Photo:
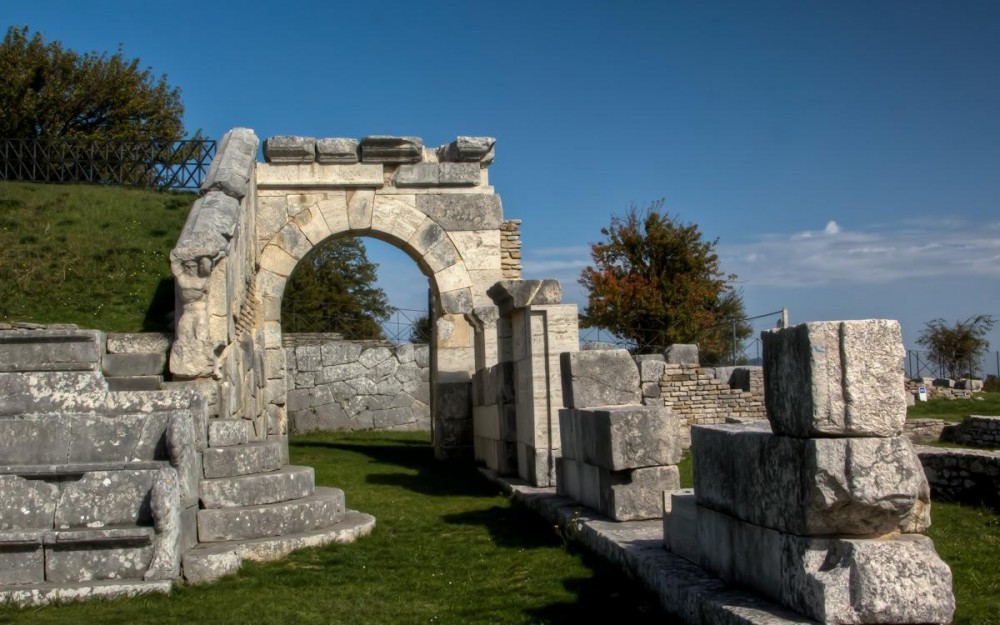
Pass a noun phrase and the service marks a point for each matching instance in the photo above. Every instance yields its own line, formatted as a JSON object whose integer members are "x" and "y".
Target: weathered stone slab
{"x": 835, "y": 378}
{"x": 139, "y": 342}
{"x": 853, "y": 486}
{"x": 680, "y": 524}
{"x": 135, "y": 364}
{"x": 233, "y": 164}
{"x": 34, "y": 440}
{"x": 388, "y": 149}
{"x": 50, "y": 350}
{"x": 289, "y": 149}
{"x": 629, "y": 437}
{"x": 468, "y": 149}
{"x": 462, "y": 211}
{"x": 288, "y": 482}
{"x": 319, "y": 175}
{"x": 599, "y": 378}
{"x": 897, "y": 579}
{"x": 337, "y": 150}
{"x": 256, "y": 457}
{"x": 511, "y": 295}
{"x": 681, "y": 354}
{"x": 82, "y": 555}
{"x": 26, "y": 503}
{"x": 22, "y": 560}
{"x": 227, "y": 432}
{"x": 323, "y": 509}
{"x": 104, "y": 498}
{"x": 438, "y": 175}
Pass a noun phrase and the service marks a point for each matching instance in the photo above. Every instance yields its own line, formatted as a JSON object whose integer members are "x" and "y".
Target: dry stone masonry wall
{"x": 822, "y": 510}
{"x": 510, "y": 249}
{"x": 970, "y": 476}
{"x": 357, "y": 385}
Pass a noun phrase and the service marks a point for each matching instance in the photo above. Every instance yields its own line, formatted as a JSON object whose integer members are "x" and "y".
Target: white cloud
{"x": 917, "y": 249}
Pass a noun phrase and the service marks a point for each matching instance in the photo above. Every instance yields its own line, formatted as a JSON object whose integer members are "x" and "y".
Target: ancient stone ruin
{"x": 114, "y": 482}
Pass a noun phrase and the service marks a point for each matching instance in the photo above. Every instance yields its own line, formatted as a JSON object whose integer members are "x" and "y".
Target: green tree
{"x": 333, "y": 290}
{"x": 656, "y": 282}
{"x": 959, "y": 346}
{"x": 48, "y": 92}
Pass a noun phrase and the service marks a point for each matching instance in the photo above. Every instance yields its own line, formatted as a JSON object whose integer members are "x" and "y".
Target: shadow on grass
{"x": 514, "y": 526}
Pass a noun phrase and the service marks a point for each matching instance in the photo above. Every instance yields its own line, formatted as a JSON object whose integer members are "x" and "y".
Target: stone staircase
{"x": 255, "y": 507}
{"x": 110, "y": 493}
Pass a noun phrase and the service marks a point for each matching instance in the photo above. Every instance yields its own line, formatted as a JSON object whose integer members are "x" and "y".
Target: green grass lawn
{"x": 956, "y": 409}
{"x": 90, "y": 255}
{"x": 447, "y": 548}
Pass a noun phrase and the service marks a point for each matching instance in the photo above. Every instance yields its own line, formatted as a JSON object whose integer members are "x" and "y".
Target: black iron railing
{"x": 150, "y": 164}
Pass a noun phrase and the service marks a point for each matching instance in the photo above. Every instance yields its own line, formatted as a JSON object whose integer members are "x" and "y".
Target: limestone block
{"x": 34, "y": 440}
{"x": 230, "y": 171}
{"x": 22, "y": 559}
{"x": 570, "y": 434}
{"x": 835, "y": 378}
{"x": 308, "y": 358}
{"x": 318, "y": 176}
{"x": 122, "y": 438}
{"x": 854, "y": 486}
{"x": 486, "y": 421}
{"x": 637, "y": 494}
{"x": 333, "y": 208}
{"x": 153, "y": 363}
{"x": 651, "y": 369}
{"x": 388, "y": 149}
{"x": 101, "y": 498}
{"x": 26, "y": 504}
{"x": 396, "y": 216}
{"x": 360, "y": 206}
{"x": 454, "y": 401}
{"x": 340, "y": 352}
{"x": 452, "y": 278}
{"x": 287, "y": 483}
{"x": 896, "y": 579}
{"x": 209, "y": 228}
{"x": 47, "y": 350}
{"x": 462, "y": 211}
{"x": 680, "y": 524}
{"x": 681, "y": 354}
{"x": 293, "y": 241}
{"x": 165, "y": 505}
{"x": 138, "y": 342}
{"x": 253, "y": 457}
{"x": 457, "y": 302}
{"x": 510, "y": 295}
{"x": 289, "y": 149}
{"x": 441, "y": 255}
{"x": 459, "y": 174}
{"x": 629, "y": 437}
{"x": 227, "y": 432}
{"x": 337, "y": 150}
{"x": 599, "y": 378}
{"x": 312, "y": 225}
{"x": 464, "y": 149}
{"x": 72, "y": 556}
{"x": 437, "y": 175}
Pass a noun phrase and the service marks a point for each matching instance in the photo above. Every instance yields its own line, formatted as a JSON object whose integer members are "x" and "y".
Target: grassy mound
{"x": 94, "y": 256}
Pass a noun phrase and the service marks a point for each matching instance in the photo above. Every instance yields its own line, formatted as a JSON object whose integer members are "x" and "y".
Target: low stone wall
{"x": 969, "y": 476}
{"x": 978, "y": 431}
{"x": 356, "y": 385}
{"x": 700, "y": 397}
{"x": 922, "y": 431}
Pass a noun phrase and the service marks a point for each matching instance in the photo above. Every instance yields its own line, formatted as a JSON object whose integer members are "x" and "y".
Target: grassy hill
{"x": 94, "y": 256}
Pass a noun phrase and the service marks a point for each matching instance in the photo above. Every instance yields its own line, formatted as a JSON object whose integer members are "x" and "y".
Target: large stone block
{"x": 26, "y": 503}
{"x": 629, "y": 437}
{"x": 474, "y": 149}
{"x": 254, "y": 457}
{"x": 835, "y": 378}
{"x": 680, "y": 524}
{"x": 599, "y": 378}
{"x": 510, "y": 295}
{"x": 49, "y": 350}
{"x": 853, "y": 486}
{"x": 681, "y": 354}
{"x": 637, "y": 494}
{"x": 897, "y": 579}
{"x": 288, "y": 482}
{"x": 105, "y": 498}
{"x": 209, "y": 228}
{"x": 289, "y": 149}
{"x": 320, "y": 510}
{"x": 462, "y": 211}
{"x": 233, "y": 164}
{"x": 388, "y": 149}
{"x": 83, "y": 555}
{"x": 22, "y": 560}
{"x": 131, "y": 365}
{"x": 337, "y": 150}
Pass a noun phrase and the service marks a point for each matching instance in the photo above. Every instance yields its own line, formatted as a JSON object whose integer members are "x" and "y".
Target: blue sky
{"x": 845, "y": 154}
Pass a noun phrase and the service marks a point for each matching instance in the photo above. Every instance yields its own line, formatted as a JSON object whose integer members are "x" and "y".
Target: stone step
{"x": 322, "y": 509}
{"x": 51, "y": 350}
{"x": 228, "y": 432}
{"x": 287, "y": 483}
{"x": 40, "y": 593}
{"x": 255, "y": 457}
{"x": 134, "y": 364}
{"x": 211, "y": 561}
{"x": 135, "y": 383}
{"x": 75, "y": 555}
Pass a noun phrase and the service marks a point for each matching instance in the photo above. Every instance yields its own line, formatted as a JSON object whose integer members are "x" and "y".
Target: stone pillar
{"x": 540, "y": 329}
{"x": 821, "y": 511}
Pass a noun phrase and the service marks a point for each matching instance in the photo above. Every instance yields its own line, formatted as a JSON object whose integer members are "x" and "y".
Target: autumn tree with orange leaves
{"x": 657, "y": 282}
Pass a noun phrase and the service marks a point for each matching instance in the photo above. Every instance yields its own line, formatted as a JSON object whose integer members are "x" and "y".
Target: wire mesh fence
{"x": 923, "y": 364}
{"x": 176, "y": 165}
{"x": 404, "y": 325}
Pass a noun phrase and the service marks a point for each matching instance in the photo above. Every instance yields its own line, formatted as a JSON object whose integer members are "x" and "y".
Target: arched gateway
{"x": 256, "y": 221}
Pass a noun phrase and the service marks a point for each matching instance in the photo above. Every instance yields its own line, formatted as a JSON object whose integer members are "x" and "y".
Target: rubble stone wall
{"x": 357, "y": 385}
{"x": 970, "y": 476}
{"x": 700, "y": 396}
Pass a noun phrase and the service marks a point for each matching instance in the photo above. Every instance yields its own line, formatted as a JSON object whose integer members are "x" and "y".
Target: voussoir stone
{"x": 810, "y": 487}
{"x": 462, "y": 211}
{"x": 835, "y": 378}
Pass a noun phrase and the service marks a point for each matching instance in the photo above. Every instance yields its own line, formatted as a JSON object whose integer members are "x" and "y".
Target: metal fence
{"x": 158, "y": 165}
{"x": 404, "y": 325}
{"x": 923, "y": 364}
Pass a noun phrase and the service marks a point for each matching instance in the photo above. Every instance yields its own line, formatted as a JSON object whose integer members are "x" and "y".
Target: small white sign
{"x": 921, "y": 393}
